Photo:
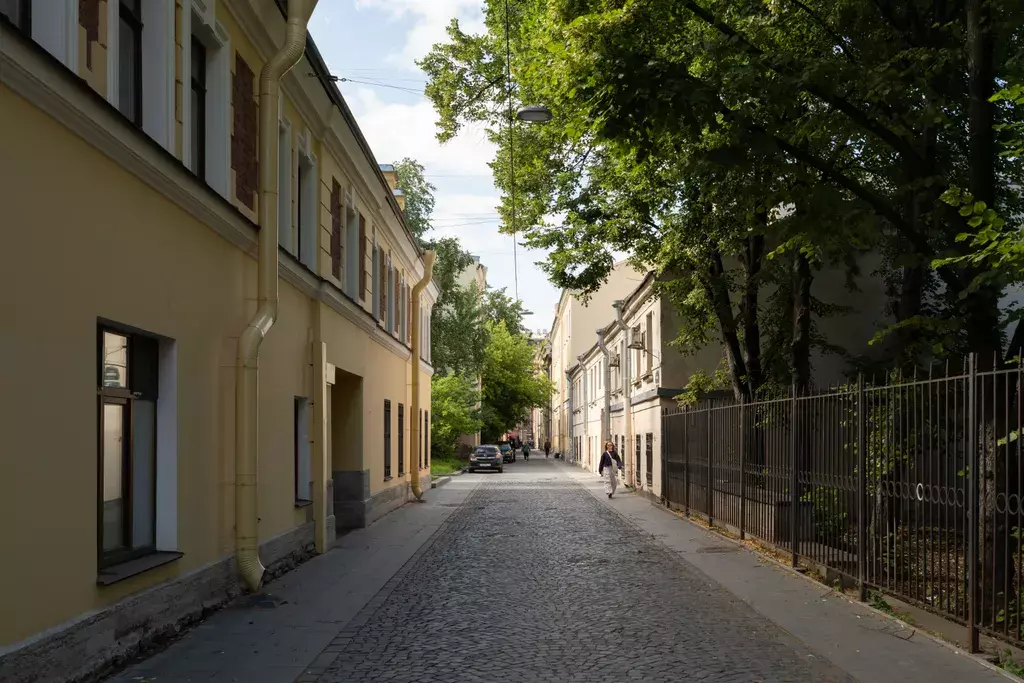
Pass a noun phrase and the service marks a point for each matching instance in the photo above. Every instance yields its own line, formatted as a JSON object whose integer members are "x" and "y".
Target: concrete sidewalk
{"x": 274, "y": 636}
{"x": 866, "y": 645}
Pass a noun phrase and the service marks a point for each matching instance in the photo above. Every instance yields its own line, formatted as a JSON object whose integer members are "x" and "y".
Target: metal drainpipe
{"x": 417, "y": 290}
{"x": 627, "y": 407}
{"x": 606, "y": 423}
{"x": 249, "y": 342}
{"x": 569, "y": 425}
{"x": 584, "y": 404}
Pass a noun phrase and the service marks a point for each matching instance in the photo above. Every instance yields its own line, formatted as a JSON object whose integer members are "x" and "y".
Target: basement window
{"x": 303, "y": 470}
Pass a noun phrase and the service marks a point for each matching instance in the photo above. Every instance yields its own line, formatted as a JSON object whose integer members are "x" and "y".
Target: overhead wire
{"x": 511, "y": 148}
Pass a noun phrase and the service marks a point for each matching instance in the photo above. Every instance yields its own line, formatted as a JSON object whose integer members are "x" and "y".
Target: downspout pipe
{"x": 627, "y": 407}
{"x": 606, "y": 424}
{"x": 570, "y": 427}
{"x": 247, "y": 366}
{"x": 584, "y": 405}
{"x": 428, "y": 273}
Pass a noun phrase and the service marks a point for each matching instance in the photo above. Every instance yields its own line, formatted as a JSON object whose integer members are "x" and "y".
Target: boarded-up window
{"x": 336, "y": 229}
{"x": 363, "y": 283}
{"x": 382, "y": 271}
{"x": 244, "y": 139}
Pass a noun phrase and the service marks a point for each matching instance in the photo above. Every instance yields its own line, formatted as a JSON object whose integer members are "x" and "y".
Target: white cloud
{"x": 432, "y": 18}
{"x": 408, "y": 130}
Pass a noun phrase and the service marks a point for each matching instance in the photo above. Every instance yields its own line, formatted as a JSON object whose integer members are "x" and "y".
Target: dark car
{"x": 508, "y": 453}
{"x": 486, "y": 457}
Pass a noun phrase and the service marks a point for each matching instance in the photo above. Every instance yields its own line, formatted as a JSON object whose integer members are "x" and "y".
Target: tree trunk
{"x": 717, "y": 290}
{"x": 800, "y": 347}
{"x": 753, "y": 255}
{"x": 983, "y": 328}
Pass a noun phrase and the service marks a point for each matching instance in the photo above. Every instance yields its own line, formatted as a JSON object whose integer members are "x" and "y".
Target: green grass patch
{"x": 442, "y": 466}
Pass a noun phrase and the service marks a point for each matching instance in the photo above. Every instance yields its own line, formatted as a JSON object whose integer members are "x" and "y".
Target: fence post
{"x": 794, "y": 494}
{"x": 743, "y": 472}
{"x": 710, "y": 479}
{"x": 664, "y": 464}
{"x": 862, "y": 478}
{"x": 686, "y": 463}
{"x": 973, "y": 465}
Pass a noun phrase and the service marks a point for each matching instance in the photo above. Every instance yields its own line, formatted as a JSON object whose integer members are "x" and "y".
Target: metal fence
{"x": 912, "y": 486}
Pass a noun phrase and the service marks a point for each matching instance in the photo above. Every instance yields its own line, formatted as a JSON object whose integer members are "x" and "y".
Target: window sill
{"x": 388, "y": 478}
{"x": 302, "y": 503}
{"x": 120, "y": 572}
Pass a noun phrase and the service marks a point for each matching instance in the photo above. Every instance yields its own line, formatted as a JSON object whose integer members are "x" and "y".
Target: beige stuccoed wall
{"x": 84, "y": 239}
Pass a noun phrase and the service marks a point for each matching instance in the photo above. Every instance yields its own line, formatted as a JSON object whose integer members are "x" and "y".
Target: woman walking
{"x": 613, "y": 462}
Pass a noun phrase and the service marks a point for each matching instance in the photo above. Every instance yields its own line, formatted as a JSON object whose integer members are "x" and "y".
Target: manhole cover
{"x": 713, "y": 549}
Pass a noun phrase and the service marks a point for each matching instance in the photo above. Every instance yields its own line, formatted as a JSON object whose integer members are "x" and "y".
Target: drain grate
{"x": 715, "y": 549}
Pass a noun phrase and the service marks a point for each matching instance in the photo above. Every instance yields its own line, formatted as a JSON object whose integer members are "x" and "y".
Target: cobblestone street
{"x": 533, "y": 579}
{"x": 533, "y": 575}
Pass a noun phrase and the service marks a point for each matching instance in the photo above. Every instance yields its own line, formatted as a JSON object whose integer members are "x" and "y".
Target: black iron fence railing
{"x": 912, "y": 486}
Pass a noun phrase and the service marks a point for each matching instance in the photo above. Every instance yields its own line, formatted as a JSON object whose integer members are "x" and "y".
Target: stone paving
{"x": 505, "y": 592}
{"x": 533, "y": 575}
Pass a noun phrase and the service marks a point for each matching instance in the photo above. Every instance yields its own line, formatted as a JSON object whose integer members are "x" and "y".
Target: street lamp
{"x": 534, "y": 113}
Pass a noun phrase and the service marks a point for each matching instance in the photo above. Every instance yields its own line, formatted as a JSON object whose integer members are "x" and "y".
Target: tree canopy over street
{"x": 483, "y": 363}
{"x": 741, "y": 147}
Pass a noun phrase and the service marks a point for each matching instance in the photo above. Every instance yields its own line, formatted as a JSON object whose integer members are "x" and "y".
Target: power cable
{"x": 511, "y": 148}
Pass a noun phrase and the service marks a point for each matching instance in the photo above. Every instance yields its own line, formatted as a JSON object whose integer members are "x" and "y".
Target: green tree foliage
{"x": 454, "y": 400}
{"x": 681, "y": 127}
{"x": 511, "y": 386}
{"x": 419, "y": 195}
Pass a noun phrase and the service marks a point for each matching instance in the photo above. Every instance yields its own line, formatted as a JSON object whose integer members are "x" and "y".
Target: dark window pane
{"x": 198, "y": 109}
{"x": 113, "y": 476}
{"x": 130, "y": 71}
{"x": 144, "y": 366}
{"x": 143, "y": 437}
{"x": 134, "y": 7}
{"x": 17, "y": 12}
{"x": 115, "y": 360}
{"x": 301, "y": 185}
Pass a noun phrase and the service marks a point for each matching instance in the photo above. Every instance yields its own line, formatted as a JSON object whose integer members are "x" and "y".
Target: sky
{"x": 377, "y": 42}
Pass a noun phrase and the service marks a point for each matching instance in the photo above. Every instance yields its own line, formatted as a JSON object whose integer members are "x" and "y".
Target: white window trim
{"x": 285, "y": 215}
{"x": 202, "y": 22}
{"x": 308, "y": 232}
{"x": 57, "y": 30}
{"x": 158, "y": 115}
{"x": 167, "y": 448}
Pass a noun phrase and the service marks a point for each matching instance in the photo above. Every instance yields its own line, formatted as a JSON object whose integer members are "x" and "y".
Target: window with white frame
{"x": 285, "y": 234}
{"x": 53, "y": 24}
{"x": 137, "y": 460}
{"x": 308, "y": 216}
{"x": 375, "y": 280}
{"x": 206, "y": 104}
{"x": 141, "y": 63}
{"x": 392, "y": 317}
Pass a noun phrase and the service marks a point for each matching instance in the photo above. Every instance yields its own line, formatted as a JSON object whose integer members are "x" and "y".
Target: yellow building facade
{"x": 129, "y": 207}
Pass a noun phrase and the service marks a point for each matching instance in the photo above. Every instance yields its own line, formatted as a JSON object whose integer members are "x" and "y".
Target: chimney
{"x": 400, "y": 198}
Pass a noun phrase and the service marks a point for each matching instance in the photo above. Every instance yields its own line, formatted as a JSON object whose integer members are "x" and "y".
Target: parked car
{"x": 508, "y": 454}
{"x": 486, "y": 457}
